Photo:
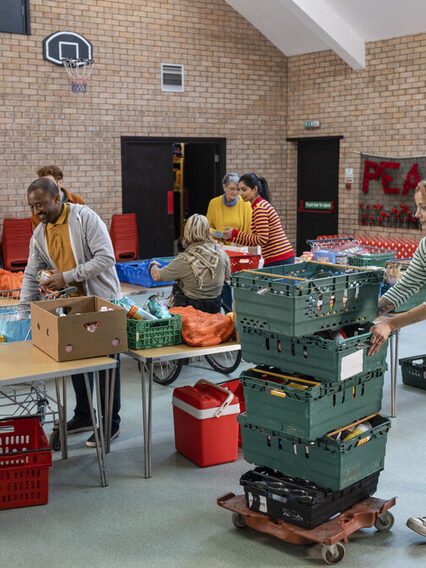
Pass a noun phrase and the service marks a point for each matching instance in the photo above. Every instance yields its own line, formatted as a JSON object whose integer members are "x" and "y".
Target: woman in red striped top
{"x": 266, "y": 226}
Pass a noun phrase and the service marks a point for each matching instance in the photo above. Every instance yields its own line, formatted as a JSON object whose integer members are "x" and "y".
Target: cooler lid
{"x": 203, "y": 395}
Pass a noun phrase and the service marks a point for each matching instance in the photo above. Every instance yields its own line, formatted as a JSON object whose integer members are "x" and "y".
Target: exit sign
{"x": 312, "y": 124}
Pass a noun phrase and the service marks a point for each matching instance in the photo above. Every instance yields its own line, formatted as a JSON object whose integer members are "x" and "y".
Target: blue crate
{"x": 14, "y": 326}
{"x": 137, "y": 272}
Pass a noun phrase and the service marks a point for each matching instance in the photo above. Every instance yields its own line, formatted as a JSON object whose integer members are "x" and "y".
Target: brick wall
{"x": 379, "y": 110}
{"x": 235, "y": 87}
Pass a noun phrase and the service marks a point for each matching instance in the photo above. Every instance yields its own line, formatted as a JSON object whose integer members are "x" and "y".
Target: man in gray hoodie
{"x": 73, "y": 243}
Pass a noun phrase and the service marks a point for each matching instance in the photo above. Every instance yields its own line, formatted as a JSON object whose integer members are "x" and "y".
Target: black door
{"x": 201, "y": 175}
{"x": 147, "y": 181}
{"x": 317, "y": 181}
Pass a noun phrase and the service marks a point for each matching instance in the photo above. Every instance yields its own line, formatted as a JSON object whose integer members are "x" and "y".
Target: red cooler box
{"x": 205, "y": 418}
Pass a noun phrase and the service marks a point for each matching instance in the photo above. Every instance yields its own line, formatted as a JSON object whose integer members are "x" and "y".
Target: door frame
{"x": 172, "y": 140}
{"x": 312, "y": 139}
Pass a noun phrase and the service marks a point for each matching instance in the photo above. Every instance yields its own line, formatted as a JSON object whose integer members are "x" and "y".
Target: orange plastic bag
{"x": 10, "y": 280}
{"x": 202, "y": 329}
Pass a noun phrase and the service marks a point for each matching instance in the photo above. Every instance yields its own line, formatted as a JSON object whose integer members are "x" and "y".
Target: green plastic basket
{"x": 316, "y": 356}
{"x": 327, "y": 462}
{"x": 145, "y": 334}
{"x": 314, "y": 411}
{"x": 414, "y": 371}
{"x": 330, "y": 297}
{"x": 371, "y": 259}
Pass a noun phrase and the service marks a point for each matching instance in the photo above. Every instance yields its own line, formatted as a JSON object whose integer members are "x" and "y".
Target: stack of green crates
{"x": 308, "y": 387}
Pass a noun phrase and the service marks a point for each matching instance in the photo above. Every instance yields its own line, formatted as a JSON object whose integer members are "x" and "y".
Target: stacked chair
{"x": 15, "y": 243}
{"x": 124, "y": 236}
{"x": 312, "y": 424}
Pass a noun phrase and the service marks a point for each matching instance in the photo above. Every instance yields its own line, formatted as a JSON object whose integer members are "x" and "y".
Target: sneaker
{"x": 417, "y": 524}
{"x": 77, "y": 425}
{"x": 115, "y": 432}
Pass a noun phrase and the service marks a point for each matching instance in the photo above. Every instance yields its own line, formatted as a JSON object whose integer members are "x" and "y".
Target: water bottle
{"x": 134, "y": 311}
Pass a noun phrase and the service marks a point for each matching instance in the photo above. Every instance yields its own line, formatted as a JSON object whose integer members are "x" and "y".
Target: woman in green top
{"x": 199, "y": 271}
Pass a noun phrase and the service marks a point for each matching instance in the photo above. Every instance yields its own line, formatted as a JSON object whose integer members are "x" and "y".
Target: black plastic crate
{"x": 300, "y": 502}
{"x": 414, "y": 371}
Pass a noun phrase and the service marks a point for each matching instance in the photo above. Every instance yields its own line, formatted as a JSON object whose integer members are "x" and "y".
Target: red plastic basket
{"x": 25, "y": 458}
{"x": 242, "y": 260}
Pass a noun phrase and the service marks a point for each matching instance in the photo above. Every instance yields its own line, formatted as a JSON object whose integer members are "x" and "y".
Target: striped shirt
{"x": 412, "y": 280}
{"x": 266, "y": 231}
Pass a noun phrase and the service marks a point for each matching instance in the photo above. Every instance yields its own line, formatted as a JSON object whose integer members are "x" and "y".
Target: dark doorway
{"x": 165, "y": 180}
{"x": 317, "y": 183}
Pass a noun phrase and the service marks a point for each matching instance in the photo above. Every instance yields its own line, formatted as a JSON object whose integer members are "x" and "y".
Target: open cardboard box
{"x": 83, "y": 332}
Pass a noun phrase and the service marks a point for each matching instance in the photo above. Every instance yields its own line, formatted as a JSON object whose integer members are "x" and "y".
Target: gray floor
{"x": 173, "y": 520}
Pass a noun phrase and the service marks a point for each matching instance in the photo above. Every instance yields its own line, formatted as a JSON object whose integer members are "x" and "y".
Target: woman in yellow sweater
{"x": 229, "y": 210}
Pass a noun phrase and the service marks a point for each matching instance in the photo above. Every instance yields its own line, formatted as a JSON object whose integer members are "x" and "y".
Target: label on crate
{"x": 352, "y": 364}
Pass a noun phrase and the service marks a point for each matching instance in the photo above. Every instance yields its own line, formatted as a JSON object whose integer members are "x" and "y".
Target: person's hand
{"x": 152, "y": 264}
{"x": 381, "y": 332}
{"x": 227, "y": 233}
{"x": 384, "y": 306}
{"x": 55, "y": 282}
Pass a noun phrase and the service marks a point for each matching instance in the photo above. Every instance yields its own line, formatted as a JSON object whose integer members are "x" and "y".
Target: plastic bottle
{"x": 157, "y": 308}
{"x": 134, "y": 311}
{"x": 360, "y": 429}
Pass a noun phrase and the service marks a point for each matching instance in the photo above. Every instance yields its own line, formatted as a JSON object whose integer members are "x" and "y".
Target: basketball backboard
{"x": 66, "y": 45}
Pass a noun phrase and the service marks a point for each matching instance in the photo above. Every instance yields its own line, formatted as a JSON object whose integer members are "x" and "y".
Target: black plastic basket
{"x": 300, "y": 502}
{"x": 414, "y": 371}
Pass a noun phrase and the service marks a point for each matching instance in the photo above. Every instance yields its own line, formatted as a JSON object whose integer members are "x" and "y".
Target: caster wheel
{"x": 384, "y": 521}
{"x": 239, "y": 521}
{"x": 55, "y": 441}
{"x": 333, "y": 554}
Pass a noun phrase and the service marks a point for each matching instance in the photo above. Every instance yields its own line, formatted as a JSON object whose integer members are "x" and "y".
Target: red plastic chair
{"x": 15, "y": 243}
{"x": 124, "y": 236}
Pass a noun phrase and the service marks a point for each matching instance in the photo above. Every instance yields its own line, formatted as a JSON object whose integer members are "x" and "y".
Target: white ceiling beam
{"x": 331, "y": 28}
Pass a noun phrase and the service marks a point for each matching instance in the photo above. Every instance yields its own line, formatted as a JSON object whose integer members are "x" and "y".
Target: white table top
{"x": 181, "y": 351}
{"x": 22, "y": 362}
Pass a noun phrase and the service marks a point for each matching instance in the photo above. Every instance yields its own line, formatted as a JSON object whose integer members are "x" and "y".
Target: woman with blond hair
{"x": 199, "y": 271}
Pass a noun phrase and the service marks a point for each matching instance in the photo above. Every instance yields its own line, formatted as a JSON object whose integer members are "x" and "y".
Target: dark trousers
{"x": 280, "y": 262}
{"x": 81, "y": 410}
{"x": 227, "y": 295}
{"x": 209, "y": 305}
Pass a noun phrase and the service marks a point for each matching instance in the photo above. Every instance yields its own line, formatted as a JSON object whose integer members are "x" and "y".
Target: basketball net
{"x": 79, "y": 72}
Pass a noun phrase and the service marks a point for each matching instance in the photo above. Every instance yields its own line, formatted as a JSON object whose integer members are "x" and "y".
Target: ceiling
{"x": 305, "y": 26}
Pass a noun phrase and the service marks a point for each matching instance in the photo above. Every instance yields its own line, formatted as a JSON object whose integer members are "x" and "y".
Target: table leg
{"x": 105, "y": 410}
{"x": 61, "y": 423}
{"x": 142, "y": 369}
{"x": 110, "y": 405}
{"x": 64, "y": 413}
{"x": 100, "y": 449}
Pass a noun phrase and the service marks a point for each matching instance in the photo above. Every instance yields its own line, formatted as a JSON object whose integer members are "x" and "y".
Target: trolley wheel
{"x": 333, "y": 554}
{"x": 384, "y": 521}
{"x": 239, "y": 521}
{"x": 164, "y": 373}
{"x": 225, "y": 362}
{"x": 55, "y": 440}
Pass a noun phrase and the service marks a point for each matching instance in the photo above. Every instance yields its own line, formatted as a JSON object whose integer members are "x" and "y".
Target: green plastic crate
{"x": 145, "y": 334}
{"x": 316, "y": 356}
{"x": 313, "y": 412}
{"x": 371, "y": 259}
{"x": 330, "y": 298}
{"x": 414, "y": 371}
{"x": 327, "y": 462}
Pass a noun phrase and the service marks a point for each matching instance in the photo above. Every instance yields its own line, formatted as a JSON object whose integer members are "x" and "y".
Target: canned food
{"x": 43, "y": 275}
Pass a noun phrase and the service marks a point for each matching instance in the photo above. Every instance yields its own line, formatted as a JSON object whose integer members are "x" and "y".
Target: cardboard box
{"x": 83, "y": 332}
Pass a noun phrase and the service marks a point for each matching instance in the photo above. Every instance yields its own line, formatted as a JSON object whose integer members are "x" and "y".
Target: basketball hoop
{"x": 79, "y": 72}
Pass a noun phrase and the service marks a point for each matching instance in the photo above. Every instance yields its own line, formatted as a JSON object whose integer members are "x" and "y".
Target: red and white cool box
{"x": 205, "y": 419}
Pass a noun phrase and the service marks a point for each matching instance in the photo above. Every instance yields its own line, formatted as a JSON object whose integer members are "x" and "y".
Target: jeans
{"x": 280, "y": 262}
{"x": 81, "y": 410}
{"x": 209, "y": 305}
{"x": 227, "y": 295}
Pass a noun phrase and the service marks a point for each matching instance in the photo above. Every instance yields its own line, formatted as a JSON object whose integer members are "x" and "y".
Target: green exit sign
{"x": 312, "y": 124}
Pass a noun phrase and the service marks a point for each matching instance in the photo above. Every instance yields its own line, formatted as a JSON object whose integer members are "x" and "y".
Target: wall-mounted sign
{"x": 312, "y": 124}
{"x": 349, "y": 177}
{"x": 319, "y": 206}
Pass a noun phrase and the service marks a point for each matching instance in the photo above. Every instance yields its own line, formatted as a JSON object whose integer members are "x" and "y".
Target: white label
{"x": 263, "y": 507}
{"x": 250, "y": 499}
{"x": 349, "y": 175}
{"x": 352, "y": 364}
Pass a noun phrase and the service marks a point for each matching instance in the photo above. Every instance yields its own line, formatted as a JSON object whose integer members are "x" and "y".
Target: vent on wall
{"x": 172, "y": 77}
